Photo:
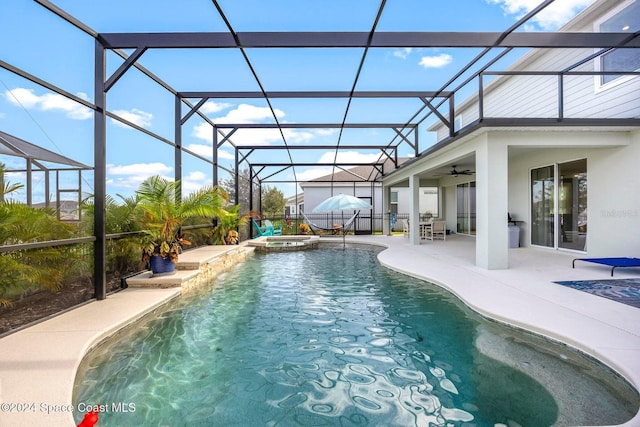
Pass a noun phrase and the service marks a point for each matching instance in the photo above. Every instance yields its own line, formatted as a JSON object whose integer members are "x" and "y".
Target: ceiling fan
{"x": 455, "y": 172}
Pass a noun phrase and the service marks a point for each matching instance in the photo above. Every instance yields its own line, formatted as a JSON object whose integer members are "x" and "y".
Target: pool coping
{"x": 48, "y": 354}
{"x": 38, "y": 364}
{"x": 603, "y": 329}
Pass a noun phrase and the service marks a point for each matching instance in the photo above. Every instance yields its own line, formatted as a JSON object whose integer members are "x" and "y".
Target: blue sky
{"x": 36, "y": 41}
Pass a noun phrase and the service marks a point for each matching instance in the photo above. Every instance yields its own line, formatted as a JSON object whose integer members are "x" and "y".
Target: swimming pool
{"x": 330, "y": 337}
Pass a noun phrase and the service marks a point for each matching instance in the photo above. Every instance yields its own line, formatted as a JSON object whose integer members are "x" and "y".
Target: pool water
{"x": 330, "y": 337}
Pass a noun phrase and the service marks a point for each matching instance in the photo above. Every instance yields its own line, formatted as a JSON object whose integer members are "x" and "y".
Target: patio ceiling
{"x": 348, "y": 48}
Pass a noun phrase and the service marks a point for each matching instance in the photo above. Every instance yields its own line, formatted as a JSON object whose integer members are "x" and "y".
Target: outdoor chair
{"x": 438, "y": 230}
{"x": 262, "y": 231}
{"x": 273, "y": 229}
{"x": 424, "y": 227}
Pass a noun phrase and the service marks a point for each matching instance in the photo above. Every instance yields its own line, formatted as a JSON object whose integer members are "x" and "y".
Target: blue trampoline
{"x": 611, "y": 262}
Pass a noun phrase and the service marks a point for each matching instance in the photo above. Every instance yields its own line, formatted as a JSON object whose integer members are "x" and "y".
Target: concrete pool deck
{"x": 38, "y": 364}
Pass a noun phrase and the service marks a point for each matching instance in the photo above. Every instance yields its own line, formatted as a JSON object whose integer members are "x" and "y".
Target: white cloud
{"x": 135, "y": 116}
{"x": 194, "y": 181}
{"x": 402, "y": 53}
{"x": 22, "y": 97}
{"x": 325, "y": 132}
{"x": 550, "y": 18}
{"x": 438, "y": 61}
{"x": 222, "y": 154}
{"x": 348, "y": 157}
{"x": 206, "y": 151}
{"x": 210, "y": 107}
{"x": 202, "y": 149}
{"x": 313, "y": 173}
{"x": 328, "y": 157}
{"x": 130, "y": 176}
{"x": 243, "y": 113}
{"x": 197, "y": 176}
{"x": 49, "y": 102}
{"x": 204, "y": 131}
{"x": 297, "y": 137}
{"x": 139, "y": 168}
{"x": 246, "y": 113}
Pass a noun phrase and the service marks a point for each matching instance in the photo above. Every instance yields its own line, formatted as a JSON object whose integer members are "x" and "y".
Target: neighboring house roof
{"x": 364, "y": 173}
{"x": 296, "y": 199}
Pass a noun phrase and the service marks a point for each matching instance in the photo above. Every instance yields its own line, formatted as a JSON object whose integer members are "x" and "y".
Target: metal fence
{"x": 363, "y": 224}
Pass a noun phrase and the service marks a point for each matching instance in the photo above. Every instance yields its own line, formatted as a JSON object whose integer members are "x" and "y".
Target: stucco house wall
{"x": 611, "y": 153}
{"x": 613, "y": 187}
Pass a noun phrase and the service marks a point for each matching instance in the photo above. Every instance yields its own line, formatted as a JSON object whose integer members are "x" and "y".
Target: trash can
{"x": 514, "y": 236}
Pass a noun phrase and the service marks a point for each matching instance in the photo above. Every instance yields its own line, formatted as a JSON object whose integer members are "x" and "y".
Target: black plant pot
{"x": 161, "y": 266}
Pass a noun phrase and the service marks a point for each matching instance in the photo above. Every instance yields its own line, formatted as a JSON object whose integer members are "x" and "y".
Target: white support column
{"x": 414, "y": 209}
{"x": 492, "y": 235}
{"x": 386, "y": 210}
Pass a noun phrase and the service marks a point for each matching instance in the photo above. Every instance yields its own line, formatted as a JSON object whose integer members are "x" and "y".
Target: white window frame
{"x": 556, "y": 200}
{"x": 597, "y": 62}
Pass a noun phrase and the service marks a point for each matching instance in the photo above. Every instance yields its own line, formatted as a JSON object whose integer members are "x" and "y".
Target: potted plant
{"x": 163, "y": 215}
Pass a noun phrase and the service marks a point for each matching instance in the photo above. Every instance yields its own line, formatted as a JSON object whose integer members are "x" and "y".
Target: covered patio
{"x": 499, "y": 168}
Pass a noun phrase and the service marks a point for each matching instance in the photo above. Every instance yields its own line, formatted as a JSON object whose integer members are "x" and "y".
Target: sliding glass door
{"x": 542, "y": 206}
{"x": 559, "y": 205}
{"x": 572, "y": 205}
{"x": 466, "y": 208}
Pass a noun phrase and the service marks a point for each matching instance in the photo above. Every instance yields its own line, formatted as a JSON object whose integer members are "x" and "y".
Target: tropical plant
{"x": 163, "y": 214}
{"x": 25, "y": 271}
{"x": 225, "y": 231}
{"x": 123, "y": 253}
{"x": 6, "y": 187}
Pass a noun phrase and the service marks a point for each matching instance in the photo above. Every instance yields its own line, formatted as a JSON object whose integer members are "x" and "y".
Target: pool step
{"x": 193, "y": 267}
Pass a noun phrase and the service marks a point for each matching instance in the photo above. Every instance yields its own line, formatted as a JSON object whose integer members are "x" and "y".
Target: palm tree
{"x": 6, "y": 187}
{"x": 163, "y": 215}
{"x": 123, "y": 253}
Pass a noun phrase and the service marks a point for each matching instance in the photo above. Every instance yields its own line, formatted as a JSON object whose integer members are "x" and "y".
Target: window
{"x": 429, "y": 201}
{"x": 559, "y": 205}
{"x": 542, "y": 206}
{"x": 466, "y": 208}
{"x": 394, "y": 202}
{"x": 572, "y": 205}
{"x": 625, "y": 20}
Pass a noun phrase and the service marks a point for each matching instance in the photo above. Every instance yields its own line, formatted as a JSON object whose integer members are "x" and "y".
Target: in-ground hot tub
{"x": 284, "y": 243}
